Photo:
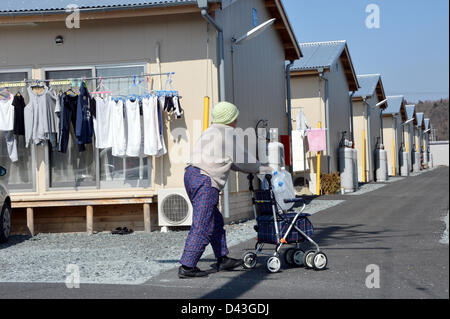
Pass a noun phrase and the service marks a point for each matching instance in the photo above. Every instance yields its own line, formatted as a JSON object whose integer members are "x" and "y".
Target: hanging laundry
{"x": 178, "y": 110}
{"x": 19, "y": 120}
{"x": 134, "y": 128}
{"x": 301, "y": 123}
{"x": 39, "y": 117}
{"x": 68, "y": 116}
{"x": 298, "y": 152}
{"x": 11, "y": 145}
{"x": 317, "y": 140}
{"x": 7, "y": 114}
{"x": 84, "y": 125}
{"x": 102, "y": 122}
{"x": 7, "y": 124}
{"x": 119, "y": 142}
{"x": 152, "y": 141}
{"x": 163, "y": 149}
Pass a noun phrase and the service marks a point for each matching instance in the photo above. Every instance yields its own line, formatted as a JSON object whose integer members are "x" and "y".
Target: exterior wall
{"x": 440, "y": 152}
{"x": 392, "y": 133}
{"x": 308, "y": 94}
{"x": 360, "y": 123}
{"x": 340, "y": 116}
{"x": 259, "y": 87}
{"x": 360, "y": 114}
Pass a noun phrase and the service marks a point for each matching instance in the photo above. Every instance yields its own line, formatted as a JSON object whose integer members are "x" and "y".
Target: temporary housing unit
{"x": 393, "y": 118}
{"x": 58, "y": 192}
{"x": 367, "y": 121}
{"x": 320, "y": 84}
{"x": 410, "y": 124}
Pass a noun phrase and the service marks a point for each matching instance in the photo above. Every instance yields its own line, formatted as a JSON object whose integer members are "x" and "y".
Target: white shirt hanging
{"x": 119, "y": 142}
{"x": 7, "y": 114}
{"x": 102, "y": 123}
{"x": 134, "y": 128}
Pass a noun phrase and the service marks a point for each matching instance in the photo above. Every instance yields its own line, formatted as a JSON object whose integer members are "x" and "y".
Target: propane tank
{"x": 381, "y": 164}
{"x": 346, "y": 167}
{"x": 275, "y": 155}
{"x": 404, "y": 165}
{"x": 416, "y": 163}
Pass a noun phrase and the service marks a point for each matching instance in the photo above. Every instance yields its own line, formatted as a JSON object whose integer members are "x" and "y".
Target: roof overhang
{"x": 346, "y": 60}
{"x": 95, "y": 13}
{"x": 350, "y": 73}
{"x": 275, "y": 8}
{"x": 284, "y": 28}
{"x": 379, "y": 91}
{"x": 402, "y": 112}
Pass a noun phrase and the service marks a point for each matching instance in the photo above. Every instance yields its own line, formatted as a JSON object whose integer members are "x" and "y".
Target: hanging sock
{"x": 178, "y": 110}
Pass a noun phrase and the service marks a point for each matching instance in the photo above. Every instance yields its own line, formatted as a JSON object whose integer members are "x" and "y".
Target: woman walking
{"x": 206, "y": 175}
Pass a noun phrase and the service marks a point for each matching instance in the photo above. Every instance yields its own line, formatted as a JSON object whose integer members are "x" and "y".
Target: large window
{"x": 116, "y": 171}
{"x": 97, "y": 167}
{"x": 20, "y": 174}
{"x": 74, "y": 168}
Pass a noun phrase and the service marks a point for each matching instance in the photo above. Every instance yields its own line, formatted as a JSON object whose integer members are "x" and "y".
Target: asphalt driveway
{"x": 395, "y": 230}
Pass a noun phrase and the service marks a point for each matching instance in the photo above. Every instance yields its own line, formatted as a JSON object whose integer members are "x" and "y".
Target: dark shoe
{"x": 191, "y": 273}
{"x": 225, "y": 263}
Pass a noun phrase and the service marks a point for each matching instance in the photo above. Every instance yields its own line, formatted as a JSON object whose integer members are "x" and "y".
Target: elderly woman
{"x": 206, "y": 175}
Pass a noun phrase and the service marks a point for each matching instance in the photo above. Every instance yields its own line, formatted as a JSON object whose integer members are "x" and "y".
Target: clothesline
{"x": 66, "y": 81}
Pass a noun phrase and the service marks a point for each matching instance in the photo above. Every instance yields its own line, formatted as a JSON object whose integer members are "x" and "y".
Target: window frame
{"x": 99, "y": 184}
{"x": 33, "y": 168}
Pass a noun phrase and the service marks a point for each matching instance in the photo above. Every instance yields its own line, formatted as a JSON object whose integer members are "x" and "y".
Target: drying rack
{"x": 25, "y": 82}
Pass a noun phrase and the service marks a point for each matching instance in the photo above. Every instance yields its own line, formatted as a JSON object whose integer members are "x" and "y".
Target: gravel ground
{"x": 105, "y": 258}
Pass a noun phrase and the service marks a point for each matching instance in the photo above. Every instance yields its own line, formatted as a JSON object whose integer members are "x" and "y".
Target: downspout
{"x": 289, "y": 109}
{"x": 327, "y": 117}
{"x": 222, "y": 96}
{"x": 369, "y": 140}
{"x": 351, "y": 120}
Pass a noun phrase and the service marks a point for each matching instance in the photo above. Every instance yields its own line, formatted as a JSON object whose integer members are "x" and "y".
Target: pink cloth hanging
{"x": 317, "y": 140}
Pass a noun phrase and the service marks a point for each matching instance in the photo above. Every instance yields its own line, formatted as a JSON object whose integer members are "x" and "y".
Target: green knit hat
{"x": 225, "y": 113}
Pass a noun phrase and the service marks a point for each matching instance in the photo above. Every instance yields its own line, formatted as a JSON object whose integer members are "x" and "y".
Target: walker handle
{"x": 293, "y": 200}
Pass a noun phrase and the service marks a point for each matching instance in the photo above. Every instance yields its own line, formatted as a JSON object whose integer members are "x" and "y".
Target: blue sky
{"x": 410, "y": 49}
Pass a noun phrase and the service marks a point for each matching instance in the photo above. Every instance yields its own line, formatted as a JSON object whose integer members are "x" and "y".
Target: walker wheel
{"x": 288, "y": 256}
{"x": 250, "y": 260}
{"x": 273, "y": 264}
{"x": 297, "y": 257}
{"x": 308, "y": 259}
{"x": 320, "y": 261}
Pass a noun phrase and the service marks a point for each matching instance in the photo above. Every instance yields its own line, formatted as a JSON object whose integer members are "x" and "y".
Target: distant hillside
{"x": 438, "y": 112}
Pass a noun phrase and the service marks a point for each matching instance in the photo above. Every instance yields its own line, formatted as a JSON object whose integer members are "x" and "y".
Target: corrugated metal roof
{"x": 427, "y": 123}
{"x": 420, "y": 117}
{"x": 22, "y": 6}
{"x": 394, "y": 104}
{"x": 410, "y": 111}
{"x": 319, "y": 55}
{"x": 368, "y": 84}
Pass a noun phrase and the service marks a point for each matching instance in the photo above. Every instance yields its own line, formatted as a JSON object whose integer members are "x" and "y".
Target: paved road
{"x": 397, "y": 228}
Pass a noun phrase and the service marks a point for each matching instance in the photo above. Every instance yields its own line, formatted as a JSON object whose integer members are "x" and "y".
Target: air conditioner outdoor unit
{"x": 174, "y": 207}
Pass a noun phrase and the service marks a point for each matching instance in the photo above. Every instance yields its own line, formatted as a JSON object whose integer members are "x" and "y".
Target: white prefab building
{"x": 320, "y": 83}
{"x": 367, "y": 121}
{"x": 393, "y": 131}
{"x": 53, "y": 192}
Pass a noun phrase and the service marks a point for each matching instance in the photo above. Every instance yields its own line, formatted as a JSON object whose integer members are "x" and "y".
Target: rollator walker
{"x": 280, "y": 227}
